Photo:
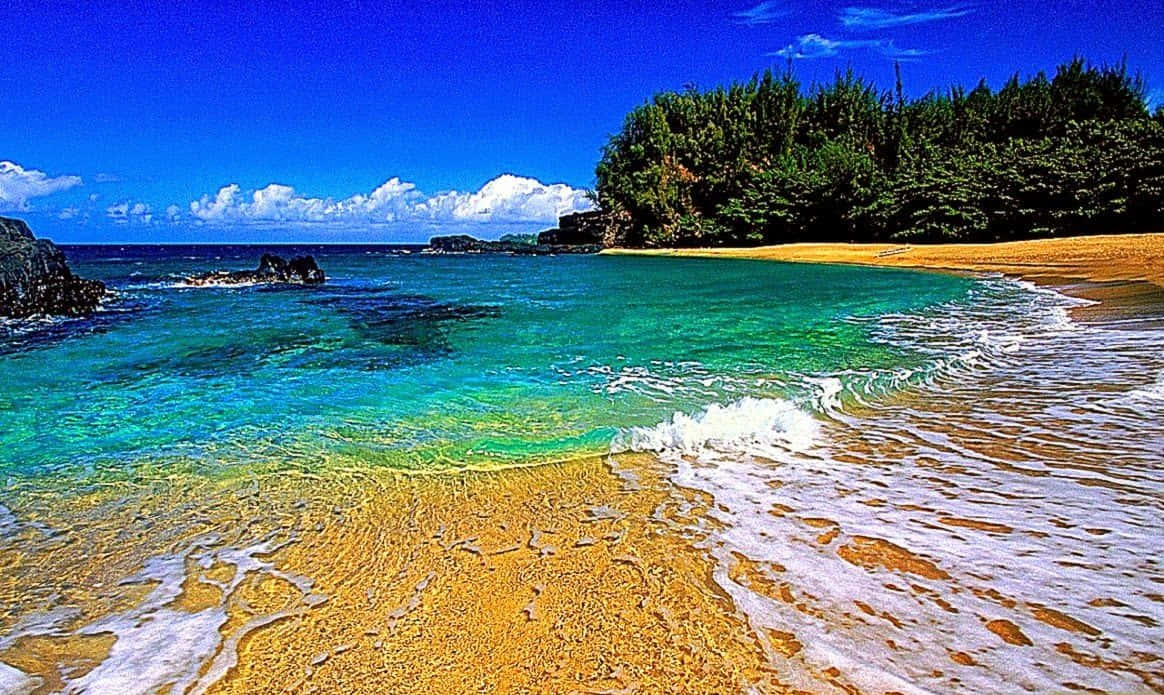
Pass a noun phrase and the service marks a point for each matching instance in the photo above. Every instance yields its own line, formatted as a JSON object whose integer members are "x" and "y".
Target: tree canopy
{"x": 766, "y": 162}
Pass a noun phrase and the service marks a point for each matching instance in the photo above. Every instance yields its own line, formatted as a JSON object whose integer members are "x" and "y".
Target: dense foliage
{"x": 763, "y": 162}
{"x": 527, "y": 239}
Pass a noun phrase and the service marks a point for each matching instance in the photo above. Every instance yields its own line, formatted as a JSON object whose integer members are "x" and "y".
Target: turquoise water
{"x": 971, "y": 422}
{"x": 427, "y": 362}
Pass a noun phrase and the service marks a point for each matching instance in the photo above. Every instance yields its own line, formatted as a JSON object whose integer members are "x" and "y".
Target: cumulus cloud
{"x": 811, "y": 46}
{"x": 764, "y": 13}
{"x": 877, "y": 18}
{"x": 507, "y": 198}
{"x": 125, "y": 212}
{"x": 19, "y": 185}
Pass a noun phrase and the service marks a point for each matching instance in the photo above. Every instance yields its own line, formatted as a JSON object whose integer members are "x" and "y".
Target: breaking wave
{"x": 749, "y": 425}
{"x": 988, "y": 509}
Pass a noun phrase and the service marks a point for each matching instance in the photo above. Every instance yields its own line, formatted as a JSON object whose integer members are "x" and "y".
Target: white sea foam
{"x": 746, "y": 425}
{"x": 159, "y": 646}
{"x": 1150, "y": 393}
{"x": 1013, "y": 428}
{"x": 7, "y": 519}
{"x": 13, "y": 681}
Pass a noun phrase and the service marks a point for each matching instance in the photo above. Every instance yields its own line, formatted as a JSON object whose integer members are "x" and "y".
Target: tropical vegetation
{"x": 765, "y": 161}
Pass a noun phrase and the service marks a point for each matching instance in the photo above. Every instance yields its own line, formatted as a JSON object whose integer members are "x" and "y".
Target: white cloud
{"x": 126, "y": 212}
{"x": 876, "y": 18}
{"x": 811, "y": 46}
{"x": 764, "y": 13}
{"x": 506, "y": 198}
{"x": 280, "y": 203}
{"x": 18, "y": 185}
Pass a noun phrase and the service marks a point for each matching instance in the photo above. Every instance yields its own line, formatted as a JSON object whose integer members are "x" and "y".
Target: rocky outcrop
{"x": 594, "y": 228}
{"x": 36, "y": 280}
{"x": 463, "y": 243}
{"x": 272, "y": 270}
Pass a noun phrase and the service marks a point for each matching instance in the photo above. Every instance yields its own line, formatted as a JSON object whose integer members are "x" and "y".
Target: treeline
{"x": 766, "y": 162}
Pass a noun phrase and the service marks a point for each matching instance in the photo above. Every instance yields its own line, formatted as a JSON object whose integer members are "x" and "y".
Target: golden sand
{"x": 1107, "y": 258}
{"x": 565, "y": 578}
{"x": 1009, "y": 632}
{"x": 557, "y": 579}
{"x": 579, "y": 577}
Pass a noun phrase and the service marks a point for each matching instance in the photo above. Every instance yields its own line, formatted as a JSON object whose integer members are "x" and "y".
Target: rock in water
{"x": 272, "y": 270}
{"x": 36, "y": 280}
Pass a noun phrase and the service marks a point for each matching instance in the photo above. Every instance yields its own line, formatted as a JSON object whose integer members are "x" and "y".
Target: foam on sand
{"x": 160, "y": 647}
{"x": 13, "y": 681}
{"x": 991, "y": 528}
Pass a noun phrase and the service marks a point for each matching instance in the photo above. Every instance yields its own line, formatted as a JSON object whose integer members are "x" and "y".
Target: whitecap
{"x": 746, "y": 425}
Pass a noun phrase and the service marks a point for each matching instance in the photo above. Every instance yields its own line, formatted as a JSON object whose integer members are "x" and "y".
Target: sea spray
{"x": 912, "y": 532}
{"x": 746, "y": 425}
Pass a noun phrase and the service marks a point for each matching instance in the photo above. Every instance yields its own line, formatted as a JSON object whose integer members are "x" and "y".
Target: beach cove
{"x": 918, "y": 517}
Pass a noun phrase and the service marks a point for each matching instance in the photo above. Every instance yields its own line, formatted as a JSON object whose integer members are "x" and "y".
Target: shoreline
{"x": 1106, "y": 258}
{"x": 620, "y": 573}
{"x": 347, "y": 584}
{"x": 1124, "y": 273}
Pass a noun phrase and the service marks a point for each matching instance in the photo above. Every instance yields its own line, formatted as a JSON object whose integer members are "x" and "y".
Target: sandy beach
{"x": 1098, "y": 259}
{"x": 362, "y": 348}
{"x": 1123, "y": 273}
{"x": 572, "y": 577}
{"x": 695, "y": 571}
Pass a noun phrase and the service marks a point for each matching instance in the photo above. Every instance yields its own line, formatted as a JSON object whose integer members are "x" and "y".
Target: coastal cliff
{"x": 36, "y": 280}
{"x": 581, "y": 232}
{"x": 463, "y": 243}
{"x": 592, "y": 228}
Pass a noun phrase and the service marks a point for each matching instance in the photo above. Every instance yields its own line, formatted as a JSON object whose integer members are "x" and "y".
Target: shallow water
{"x": 424, "y": 362}
{"x": 995, "y": 526}
{"x": 929, "y": 483}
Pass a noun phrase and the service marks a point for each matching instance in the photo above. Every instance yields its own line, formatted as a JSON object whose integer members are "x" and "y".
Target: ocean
{"x": 430, "y": 362}
{"x": 929, "y": 460}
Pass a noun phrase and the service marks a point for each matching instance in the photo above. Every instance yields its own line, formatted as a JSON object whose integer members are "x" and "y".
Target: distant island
{"x": 765, "y": 162}
{"x": 580, "y": 232}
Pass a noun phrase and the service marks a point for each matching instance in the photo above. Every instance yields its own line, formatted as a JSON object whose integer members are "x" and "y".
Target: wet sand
{"x": 589, "y": 576}
{"x": 562, "y": 578}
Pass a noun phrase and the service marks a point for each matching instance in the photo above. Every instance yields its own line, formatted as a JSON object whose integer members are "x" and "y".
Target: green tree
{"x": 765, "y": 162}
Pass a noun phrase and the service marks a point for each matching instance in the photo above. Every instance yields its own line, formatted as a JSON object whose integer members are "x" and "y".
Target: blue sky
{"x": 392, "y": 121}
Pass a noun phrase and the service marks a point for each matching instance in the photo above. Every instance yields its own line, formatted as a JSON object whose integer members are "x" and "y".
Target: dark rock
{"x": 272, "y": 270}
{"x": 594, "y": 228}
{"x": 462, "y": 243}
{"x": 36, "y": 280}
{"x": 580, "y": 232}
